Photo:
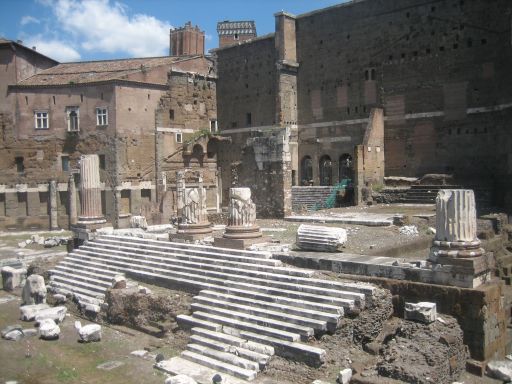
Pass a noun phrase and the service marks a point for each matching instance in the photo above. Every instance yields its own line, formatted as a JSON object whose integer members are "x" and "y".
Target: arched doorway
{"x": 306, "y": 169}
{"x": 325, "y": 170}
{"x": 346, "y": 167}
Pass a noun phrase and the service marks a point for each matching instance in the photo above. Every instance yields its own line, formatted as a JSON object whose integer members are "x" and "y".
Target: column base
{"x": 242, "y": 233}
{"x": 222, "y": 242}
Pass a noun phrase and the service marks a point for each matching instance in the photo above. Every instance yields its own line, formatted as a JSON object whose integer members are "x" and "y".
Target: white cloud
{"x": 55, "y": 49}
{"x": 208, "y": 37}
{"x": 29, "y": 19}
{"x": 104, "y": 26}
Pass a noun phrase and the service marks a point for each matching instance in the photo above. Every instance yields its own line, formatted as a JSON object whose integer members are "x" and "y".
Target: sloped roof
{"x": 98, "y": 71}
{"x": 16, "y": 44}
{"x": 247, "y": 27}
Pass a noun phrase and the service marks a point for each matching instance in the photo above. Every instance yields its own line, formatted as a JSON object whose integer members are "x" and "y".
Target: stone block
{"x": 57, "y": 314}
{"x": 89, "y": 332}
{"x": 34, "y": 291}
{"x": 13, "y": 278}
{"x": 323, "y": 239}
{"x": 49, "y": 330}
{"x": 424, "y": 312}
{"x": 29, "y": 312}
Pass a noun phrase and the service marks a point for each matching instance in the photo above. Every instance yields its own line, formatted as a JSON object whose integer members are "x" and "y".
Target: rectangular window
{"x": 171, "y": 114}
{"x": 101, "y": 116}
{"x": 73, "y": 119}
{"x": 64, "y": 160}
{"x": 20, "y": 167}
{"x": 213, "y": 126}
{"x": 179, "y": 137}
{"x": 103, "y": 162}
{"x": 41, "y": 120}
{"x": 248, "y": 119}
{"x": 43, "y": 203}
{"x": 125, "y": 201}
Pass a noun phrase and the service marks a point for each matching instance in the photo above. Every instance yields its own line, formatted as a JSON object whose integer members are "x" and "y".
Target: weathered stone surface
{"x": 180, "y": 379}
{"x": 138, "y": 222}
{"x": 242, "y": 215}
{"x": 119, "y": 282}
{"x": 455, "y": 215}
{"x": 344, "y": 376}
{"x": 317, "y": 238}
{"x": 49, "y": 330}
{"x": 34, "y": 291}
{"x": 13, "y": 278}
{"x": 10, "y": 328}
{"x": 57, "y": 314}
{"x": 14, "y": 335}
{"x": 60, "y": 298}
{"x": 500, "y": 369}
{"x": 90, "y": 190}
{"x": 89, "y": 332}
{"x": 29, "y": 332}
{"x": 424, "y": 312}
{"x": 29, "y": 312}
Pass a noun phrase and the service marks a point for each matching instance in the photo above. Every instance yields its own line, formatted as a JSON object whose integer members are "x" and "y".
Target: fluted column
{"x": 191, "y": 207}
{"x": 90, "y": 189}
{"x": 73, "y": 216}
{"x": 54, "y": 212}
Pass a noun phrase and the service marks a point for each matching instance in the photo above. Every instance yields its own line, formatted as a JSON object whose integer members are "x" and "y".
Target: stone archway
{"x": 306, "y": 171}
{"x": 346, "y": 167}
{"x": 325, "y": 170}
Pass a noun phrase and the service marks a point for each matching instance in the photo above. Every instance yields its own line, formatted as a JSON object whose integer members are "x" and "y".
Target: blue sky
{"x": 74, "y": 30}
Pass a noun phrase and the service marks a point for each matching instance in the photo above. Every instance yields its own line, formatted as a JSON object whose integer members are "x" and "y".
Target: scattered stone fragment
{"x": 159, "y": 358}
{"x": 89, "y": 332}
{"x": 344, "y": 376}
{"x": 217, "y": 379}
{"x": 30, "y": 332}
{"x": 500, "y": 369}
{"x": 318, "y": 238}
{"x": 34, "y": 291}
{"x": 92, "y": 308}
{"x": 60, "y": 298}
{"x": 424, "y": 312}
{"x": 14, "y": 335}
{"x": 10, "y": 328}
{"x": 29, "y": 312}
{"x": 319, "y": 382}
{"x": 119, "y": 282}
{"x": 51, "y": 242}
{"x": 49, "y": 330}
{"x": 180, "y": 379}
{"x": 409, "y": 230}
{"x": 138, "y": 222}
{"x": 109, "y": 365}
{"x": 144, "y": 290}
{"x": 139, "y": 353}
{"x": 56, "y": 313}
{"x": 13, "y": 278}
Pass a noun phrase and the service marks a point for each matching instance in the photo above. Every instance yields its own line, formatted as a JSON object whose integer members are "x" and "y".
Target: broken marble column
{"x": 192, "y": 213}
{"x": 73, "y": 215}
{"x": 456, "y": 254}
{"x": 456, "y": 224}
{"x": 424, "y": 312}
{"x": 242, "y": 215}
{"x": 90, "y": 190}
{"x": 321, "y": 239}
{"x": 54, "y": 212}
{"x": 34, "y": 291}
{"x": 13, "y": 278}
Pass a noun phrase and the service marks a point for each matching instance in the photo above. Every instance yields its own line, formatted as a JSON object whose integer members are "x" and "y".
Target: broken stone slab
{"x": 180, "y": 379}
{"x": 89, "y": 332}
{"x": 118, "y": 282}
{"x": 14, "y": 335}
{"x": 138, "y": 222}
{"x": 10, "y": 328}
{"x": 30, "y": 332}
{"x": 109, "y": 365}
{"x": 13, "y": 278}
{"x": 144, "y": 290}
{"x": 48, "y": 330}
{"x": 34, "y": 290}
{"x": 500, "y": 369}
{"x": 58, "y": 314}
{"x": 344, "y": 376}
{"x": 322, "y": 239}
{"x": 60, "y": 298}
{"x": 29, "y": 312}
{"x": 139, "y": 353}
{"x": 424, "y": 312}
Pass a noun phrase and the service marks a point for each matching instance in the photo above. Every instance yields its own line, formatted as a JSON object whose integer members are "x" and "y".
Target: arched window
{"x": 306, "y": 168}
{"x": 325, "y": 168}
{"x": 346, "y": 167}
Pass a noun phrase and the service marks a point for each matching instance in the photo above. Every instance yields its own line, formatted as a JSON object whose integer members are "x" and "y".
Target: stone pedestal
{"x": 193, "y": 217}
{"x": 456, "y": 246}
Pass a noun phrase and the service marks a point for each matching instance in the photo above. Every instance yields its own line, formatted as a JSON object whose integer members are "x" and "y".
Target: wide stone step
{"x": 189, "y": 322}
{"x": 100, "y": 270}
{"x": 219, "y": 365}
{"x": 259, "y": 358}
{"x": 77, "y": 289}
{"x": 192, "y": 247}
{"x": 290, "y": 309}
{"x": 348, "y": 301}
{"x": 86, "y": 276}
{"x": 304, "y": 331}
{"x": 223, "y": 338}
{"x": 225, "y": 357}
{"x": 291, "y": 350}
{"x": 201, "y": 303}
{"x": 278, "y": 273}
{"x": 209, "y": 254}
{"x": 312, "y": 305}
{"x": 78, "y": 284}
{"x": 248, "y": 326}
